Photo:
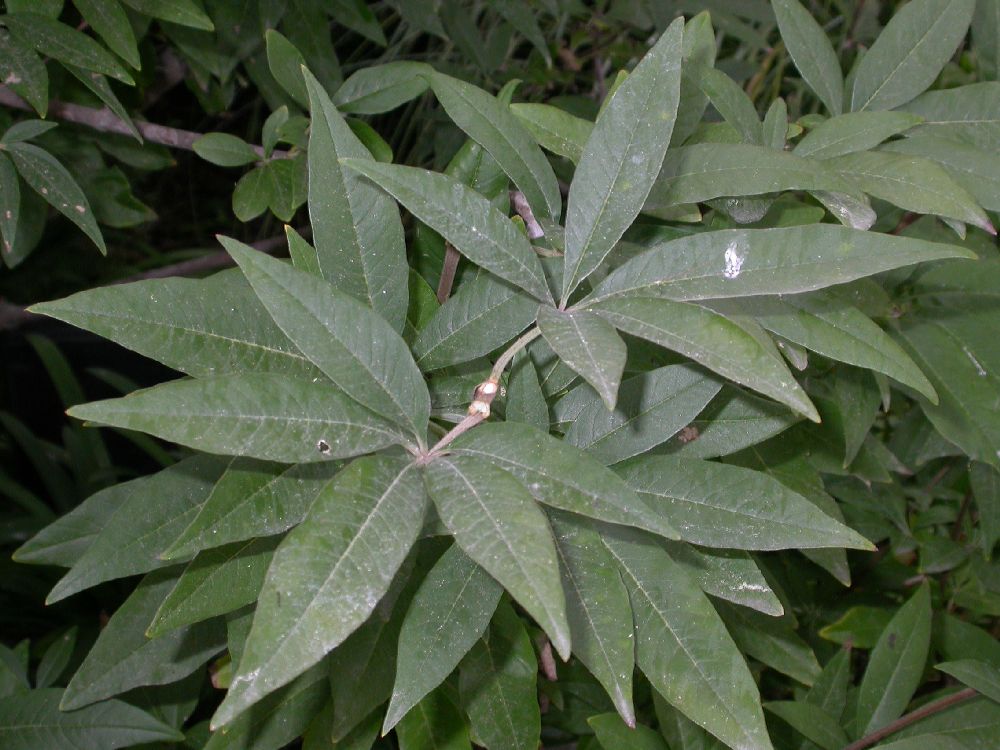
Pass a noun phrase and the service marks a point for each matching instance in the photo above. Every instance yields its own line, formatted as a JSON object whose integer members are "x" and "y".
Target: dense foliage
{"x": 632, "y": 383}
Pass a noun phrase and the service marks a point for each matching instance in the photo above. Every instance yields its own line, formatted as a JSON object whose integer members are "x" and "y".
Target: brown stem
{"x": 448, "y": 269}
{"x": 106, "y": 121}
{"x": 912, "y": 718}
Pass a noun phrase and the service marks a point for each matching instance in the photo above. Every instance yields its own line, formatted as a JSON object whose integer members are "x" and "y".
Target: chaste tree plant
{"x": 639, "y": 412}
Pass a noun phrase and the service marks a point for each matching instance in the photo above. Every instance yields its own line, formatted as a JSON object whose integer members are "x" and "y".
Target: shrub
{"x": 562, "y": 431}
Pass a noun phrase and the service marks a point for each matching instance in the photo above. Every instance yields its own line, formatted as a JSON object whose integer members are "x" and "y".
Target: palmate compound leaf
{"x": 32, "y": 719}
{"x": 256, "y": 415}
{"x": 749, "y": 262}
{"x": 356, "y": 227}
{"x": 721, "y": 344}
{"x": 717, "y": 505}
{"x": 328, "y": 575}
{"x": 683, "y": 647}
{"x": 561, "y": 475}
{"x": 449, "y": 613}
{"x": 352, "y": 344}
{"x": 589, "y": 345}
{"x": 622, "y": 158}
{"x": 465, "y": 218}
{"x": 200, "y": 327}
{"x": 495, "y": 520}
{"x": 598, "y": 608}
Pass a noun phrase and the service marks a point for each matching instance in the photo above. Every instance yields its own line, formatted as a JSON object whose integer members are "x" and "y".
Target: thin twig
{"x": 448, "y": 269}
{"x": 521, "y": 207}
{"x": 913, "y": 717}
{"x": 106, "y": 121}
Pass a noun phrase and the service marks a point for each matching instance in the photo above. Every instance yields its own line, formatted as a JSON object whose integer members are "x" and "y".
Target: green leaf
{"x": 967, "y": 114}
{"x": 554, "y": 129}
{"x": 183, "y": 12}
{"x": 201, "y": 327}
{"x": 522, "y": 17}
{"x": 376, "y": 89}
{"x": 910, "y": 53}
{"x": 65, "y": 540}
{"x": 958, "y": 355}
{"x": 279, "y": 718}
{"x": 65, "y": 44}
{"x": 448, "y": 614}
{"x": 598, "y": 609}
{"x": 652, "y": 407}
{"x": 491, "y": 124}
{"x": 123, "y": 657}
{"x": 353, "y": 346}
{"x": 985, "y": 482}
{"x": 896, "y": 665}
{"x": 497, "y": 685}
{"x": 734, "y": 420}
{"x": 727, "y": 574}
{"x": 130, "y": 531}
{"x": 622, "y": 158}
{"x": 975, "y": 170}
{"x": 749, "y": 262}
{"x": 286, "y": 63}
{"x": 855, "y": 131}
{"x": 358, "y": 17}
{"x": 495, "y": 520}
{"x": 327, "y": 575}
{"x": 721, "y": 344}
{"x": 589, "y": 345}
{"x": 464, "y": 218}
{"x": 614, "y": 734}
{"x": 362, "y": 669}
{"x": 24, "y": 72}
{"x": 812, "y": 52}
{"x": 693, "y": 174}
{"x": 252, "y": 498}
{"x": 356, "y": 227}
{"x": 699, "y": 51}
{"x": 55, "y": 659}
{"x": 483, "y": 315}
{"x": 680, "y": 731}
{"x": 434, "y": 724}
{"x": 733, "y": 104}
{"x": 253, "y": 194}
{"x": 825, "y": 323}
{"x": 682, "y": 646}
{"x": 728, "y": 506}
{"x": 32, "y": 720}
{"x": 56, "y": 185}
{"x": 975, "y": 722}
{"x": 560, "y": 475}
{"x": 108, "y": 19}
{"x": 225, "y": 150}
{"x": 812, "y": 722}
{"x": 10, "y": 203}
{"x": 983, "y": 677}
{"x": 771, "y": 641}
{"x": 257, "y": 415}
{"x": 913, "y": 184}
{"x": 525, "y": 399}
{"x": 216, "y": 582}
